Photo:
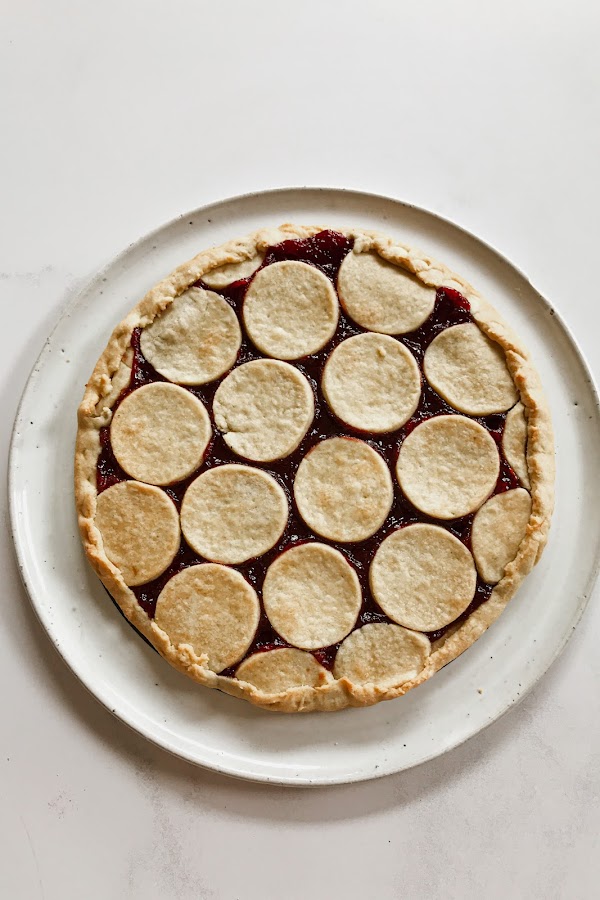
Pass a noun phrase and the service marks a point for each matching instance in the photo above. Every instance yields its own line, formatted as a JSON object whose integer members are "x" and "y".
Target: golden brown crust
{"x": 101, "y": 392}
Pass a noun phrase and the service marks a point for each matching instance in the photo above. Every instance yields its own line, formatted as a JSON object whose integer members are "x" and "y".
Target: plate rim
{"x": 95, "y": 690}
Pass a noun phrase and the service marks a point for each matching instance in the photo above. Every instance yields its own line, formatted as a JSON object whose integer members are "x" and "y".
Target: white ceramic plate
{"x": 210, "y": 728}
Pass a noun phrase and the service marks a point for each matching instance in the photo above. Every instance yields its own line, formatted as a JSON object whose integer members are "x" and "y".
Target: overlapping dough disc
{"x": 312, "y": 596}
{"x": 195, "y": 340}
{"x": 514, "y": 443}
{"x": 343, "y": 489}
{"x": 381, "y": 654}
{"x": 423, "y": 577}
{"x": 273, "y": 671}
{"x": 383, "y": 297}
{"x": 213, "y": 609}
{"x": 290, "y": 310}
{"x": 264, "y": 408}
{"x": 469, "y": 371}
{"x": 448, "y": 466}
{"x": 159, "y": 433}
{"x": 230, "y": 272}
{"x": 233, "y": 513}
{"x": 140, "y": 530}
{"x": 498, "y": 529}
{"x": 372, "y": 382}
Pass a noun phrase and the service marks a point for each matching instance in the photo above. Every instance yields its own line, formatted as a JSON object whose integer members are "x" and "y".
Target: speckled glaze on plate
{"x": 211, "y": 729}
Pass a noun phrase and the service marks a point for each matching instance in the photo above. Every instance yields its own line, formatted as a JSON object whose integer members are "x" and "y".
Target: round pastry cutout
{"x": 380, "y": 296}
{"x": 274, "y": 671}
{"x": 226, "y": 274}
{"x": 159, "y": 433}
{"x": 469, "y": 371}
{"x": 140, "y": 530}
{"x": 213, "y": 609}
{"x": 448, "y": 466}
{"x": 372, "y": 382}
{"x": 423, "y": 577}
{"x": 382, "y": 654}
{"x": 195, "y": 340}
{"x": 343, "y": 490}
{"x": 264, "y": 408}
{"x": 233, "y": 513}
{"x": 312, "y": 596}
{"x": 498, "y": 529}
{"x": 514, "y": 443}
{"x": 290, "y": 310}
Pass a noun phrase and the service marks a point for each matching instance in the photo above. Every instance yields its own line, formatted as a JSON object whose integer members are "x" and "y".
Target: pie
{"x": 312, "y": 467}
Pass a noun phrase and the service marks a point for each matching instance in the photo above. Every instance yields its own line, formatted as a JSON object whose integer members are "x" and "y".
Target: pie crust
{"x": 312, "y": 596}
{"x": 264, "y": 408}
{"x": 468, "y": 370}
{"x": 140, "y": 530}
{"x": 448, "y": 466}
{"x": 499, "y": 527}
{"x": 382, "y": 296}
{"x": 272, "y": 671}
{"x": 423, "y": 577}
{"x": 495, "y": 474}
{"x": 290, "y": 310}
{"x": 383, "y": 655}
{"x": 233, "y": 513}
{"x": 372, "y": 382}
{"x": 343, "y": 490}
{"x": 514, "y": 442}
{"x": 221, "y": 276}
{"x": 196, "y": 340}
{"x": 212, "y": 611}
{"x": 155, "y": 447}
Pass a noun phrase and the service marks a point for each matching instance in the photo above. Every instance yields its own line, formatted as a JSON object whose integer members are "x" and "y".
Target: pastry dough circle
{"x": 448, "y": 466}
{"x": 469, "y": 371}
{"x": 514, "y": 443}
{"x": 233, "y": 513}
{"x": 498, "y": 529}
{"x": 381, "y": 654}
{"x": 264, "y": 408}
{"x": 273, "y": 671}
{"x": 290, "y": 310}
{"x": 140, "y": 530}
{"x": 213, "y": 609}
{"x": 381, "y": 296}
{"x": 159, "y": 433}
{"x": 195, "y": 340}
{"x": 343, "y": 489}
{"x": 312, "y": 596}
{"x": 372, "y": 382}
{"x": 423, "y": 577}
{"x": 222, "y": 276}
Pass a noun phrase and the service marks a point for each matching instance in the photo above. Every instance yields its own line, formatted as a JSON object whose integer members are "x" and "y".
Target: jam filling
{"x": 326, "y": 251}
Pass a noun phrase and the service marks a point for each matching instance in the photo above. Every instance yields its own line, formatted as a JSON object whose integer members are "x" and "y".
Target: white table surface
{"x": 117, "y": 116}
